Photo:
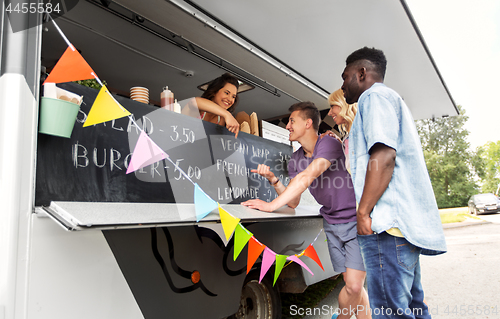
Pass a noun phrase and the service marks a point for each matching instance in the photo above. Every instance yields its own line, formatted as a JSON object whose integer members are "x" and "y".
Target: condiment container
{"x": 177, "y": 107}
{"x": 167, "y": 99}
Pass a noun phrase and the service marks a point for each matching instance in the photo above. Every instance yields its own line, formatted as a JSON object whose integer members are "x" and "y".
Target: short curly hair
{"x": 376, "y": 57}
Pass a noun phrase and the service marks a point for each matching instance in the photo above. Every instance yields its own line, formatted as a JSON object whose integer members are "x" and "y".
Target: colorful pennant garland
{"x": 311, "y": 253}
{"x": 72, "y": 67}
{"x": 228, "y": 222}
{"x": 268, "y": 259}
{"x": 241, "y": 238}
{"x": 255, "y": 248}
{"x": 104, "y": 109}
{"x": 280, "y": 262}
{"x": 203, "y": 204}
{"x": 296, "y": 259}
{"x": 146, "y": 153}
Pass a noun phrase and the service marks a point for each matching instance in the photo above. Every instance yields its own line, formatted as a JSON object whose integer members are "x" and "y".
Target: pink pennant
{"x": 267, "y": 260}
{"x": 146, "y": 152}
{"x": 300, "y": 262}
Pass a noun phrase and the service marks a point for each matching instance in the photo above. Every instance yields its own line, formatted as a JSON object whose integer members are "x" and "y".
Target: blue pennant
{"x": 203, "y": 204}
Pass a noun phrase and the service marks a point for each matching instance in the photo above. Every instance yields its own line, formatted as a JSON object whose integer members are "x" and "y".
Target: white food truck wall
{"x": 19, "y": 76}
{"x": 75, "y": 275}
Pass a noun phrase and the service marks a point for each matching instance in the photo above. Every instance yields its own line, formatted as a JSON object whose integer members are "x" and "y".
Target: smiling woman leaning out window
{"x": 217, "y": 103}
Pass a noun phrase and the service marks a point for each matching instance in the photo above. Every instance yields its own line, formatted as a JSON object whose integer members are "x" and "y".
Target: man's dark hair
{"x": 308, "y": 111}
{"x": 376, "y": 57}
{"x": 218, "y": 84}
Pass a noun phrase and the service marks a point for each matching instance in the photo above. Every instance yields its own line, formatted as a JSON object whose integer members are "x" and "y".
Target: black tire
{"x": 258, "y": 300}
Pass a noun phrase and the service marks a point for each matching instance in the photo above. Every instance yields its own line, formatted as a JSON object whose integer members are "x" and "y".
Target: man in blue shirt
{"x": 397, "y": 215}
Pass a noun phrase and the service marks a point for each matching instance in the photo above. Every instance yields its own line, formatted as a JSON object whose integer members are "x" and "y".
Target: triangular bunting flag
{"x": 146, "y": 152}
{"x": 203, "y": 204}
{"x": 105, "y": 108}
{"x": 280, "y": 262}
{"x": 300, "y": 262}
{"x": 228, "y": 222}
{"x": 241, "y": 237}
{"x": 268, "y": 259}
{"x": 254, "y": 250}
{"x": 311, "y": 253}
{"x": 70, "y": 67}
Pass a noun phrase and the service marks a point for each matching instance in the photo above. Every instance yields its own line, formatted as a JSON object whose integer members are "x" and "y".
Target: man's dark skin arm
{"x": 378, "y": 175}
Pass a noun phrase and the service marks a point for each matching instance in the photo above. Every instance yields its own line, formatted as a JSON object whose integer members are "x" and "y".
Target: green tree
{"x": 450, "y": 164}
{"x": 490, "y": 175}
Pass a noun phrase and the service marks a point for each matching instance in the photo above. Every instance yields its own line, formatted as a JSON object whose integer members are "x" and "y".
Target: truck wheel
{"x": 259, "y": 300}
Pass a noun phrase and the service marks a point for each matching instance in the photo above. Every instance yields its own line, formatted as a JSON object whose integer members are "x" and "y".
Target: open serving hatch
{"x": 85, "y": 216}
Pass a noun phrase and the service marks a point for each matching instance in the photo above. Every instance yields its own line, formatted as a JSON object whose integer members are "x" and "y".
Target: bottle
{"x": 167, "y": 99}
{"x": 177, "y": 107}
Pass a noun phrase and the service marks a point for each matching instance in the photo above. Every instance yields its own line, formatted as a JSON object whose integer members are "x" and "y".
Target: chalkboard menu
{"x": 91, "y": 165}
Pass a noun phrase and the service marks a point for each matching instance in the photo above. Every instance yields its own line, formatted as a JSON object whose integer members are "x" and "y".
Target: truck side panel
{"x": 75, "y": 275}
{"x": 20, "y": 69}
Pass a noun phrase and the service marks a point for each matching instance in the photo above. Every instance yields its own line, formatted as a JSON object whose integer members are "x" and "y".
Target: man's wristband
{"x": 276, "y": 182}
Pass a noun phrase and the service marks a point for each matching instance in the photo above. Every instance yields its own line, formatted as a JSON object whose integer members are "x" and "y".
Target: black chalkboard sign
{"x": 91, "y": 165}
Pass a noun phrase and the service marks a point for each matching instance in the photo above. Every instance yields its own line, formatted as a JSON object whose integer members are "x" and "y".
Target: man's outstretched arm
{"x": 296, "y": 187}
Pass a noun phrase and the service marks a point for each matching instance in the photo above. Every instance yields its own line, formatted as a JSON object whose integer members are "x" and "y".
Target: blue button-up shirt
{"x": 408, "y": 203}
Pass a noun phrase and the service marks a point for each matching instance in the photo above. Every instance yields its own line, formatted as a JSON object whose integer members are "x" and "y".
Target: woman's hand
{"x": 259, "y": 204}
{"x": 209, "y": 106}
{"x": 330, "y": 133}
{"x": 264, "y": 171}
{"x": 231, "y": 124}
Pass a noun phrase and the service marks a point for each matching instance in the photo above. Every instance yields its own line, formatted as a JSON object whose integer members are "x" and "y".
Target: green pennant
{"x": 280, "y": 262}
{"x": 241, "y": 237}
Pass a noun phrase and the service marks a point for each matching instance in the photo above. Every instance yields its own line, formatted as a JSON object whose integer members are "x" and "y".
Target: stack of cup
{"x": 140, "y": 94}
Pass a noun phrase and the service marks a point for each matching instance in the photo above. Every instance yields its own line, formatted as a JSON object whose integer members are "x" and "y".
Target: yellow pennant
{"x": 228, "y": 221}
{"x": 105, "y": 108}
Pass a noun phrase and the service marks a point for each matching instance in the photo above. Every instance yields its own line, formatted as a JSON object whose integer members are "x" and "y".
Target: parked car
{"x": 484, "y": 203}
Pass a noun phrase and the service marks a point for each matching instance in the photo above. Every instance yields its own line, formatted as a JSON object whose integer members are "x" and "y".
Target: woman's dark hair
{"x": 307, "y": 111}
{"x": 218, "y": 84}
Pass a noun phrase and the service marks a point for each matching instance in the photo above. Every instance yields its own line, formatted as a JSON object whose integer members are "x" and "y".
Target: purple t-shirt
{"x": 333, "y": 189}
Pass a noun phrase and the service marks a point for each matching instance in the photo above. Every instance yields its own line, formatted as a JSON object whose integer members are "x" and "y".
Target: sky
{"x": 463, "y": 37}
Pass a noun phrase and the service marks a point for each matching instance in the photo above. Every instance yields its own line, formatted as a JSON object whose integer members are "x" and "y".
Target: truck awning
{"x": 307, "y": 44}
{"x": 76, "y": 216}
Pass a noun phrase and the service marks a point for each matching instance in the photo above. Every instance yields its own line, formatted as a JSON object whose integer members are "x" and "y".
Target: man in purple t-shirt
{"x": 320, "y": 166}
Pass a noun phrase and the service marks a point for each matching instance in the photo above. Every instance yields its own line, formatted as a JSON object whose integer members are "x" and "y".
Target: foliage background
{"x": 454, "y": 169}
{"x": 489, "y": 158}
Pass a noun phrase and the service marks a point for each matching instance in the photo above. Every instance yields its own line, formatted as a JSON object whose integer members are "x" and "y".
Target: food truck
{"x": 84, "y": 236}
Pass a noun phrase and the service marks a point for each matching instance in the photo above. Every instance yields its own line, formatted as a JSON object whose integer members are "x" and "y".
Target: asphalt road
{"x": 463, "y": 283}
